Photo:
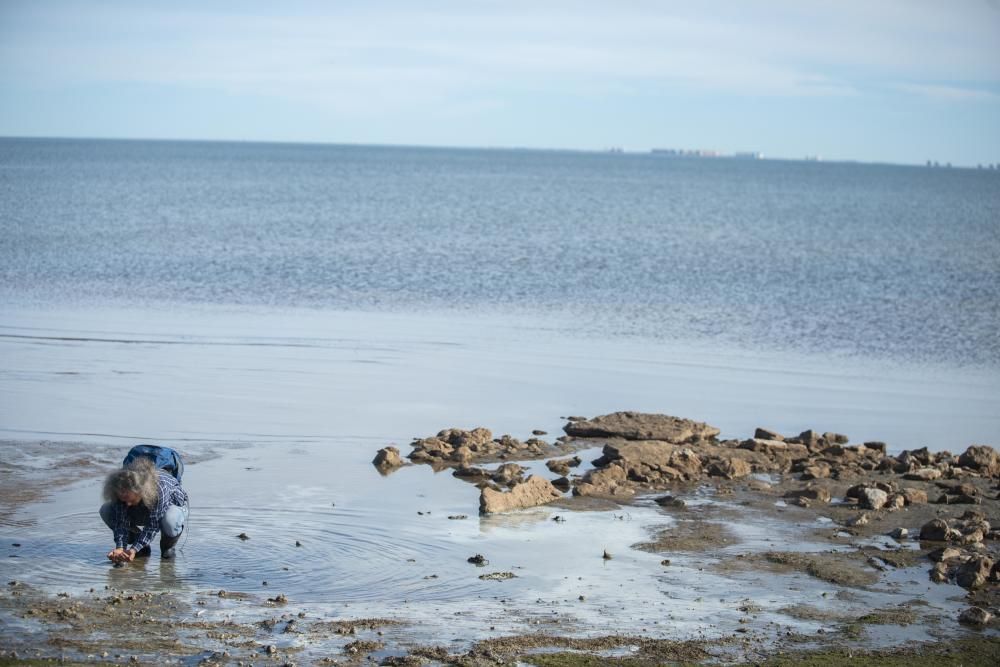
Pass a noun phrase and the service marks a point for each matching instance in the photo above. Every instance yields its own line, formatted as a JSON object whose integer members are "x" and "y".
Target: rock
{"x": 534, "y": 491}
{"x": 562, "y": 483}
{"x": 478, "y": 560}
{"x": 670, "y": 501}
{"x": 838, "y": 438}
{"x": 815, "y": 493}
{"x": 923, "y": 474}
{"x": 857, "y": 491}
{"x": 387, "y": 458}
{"x": 642, "y": 426}
{"x": 651, "y": 462}
{"x": 975, "y": 616}
{"x": 509, "y": 474}
{"x": 876, "y": 447}
{"x": 816, "y": 471}
{"x": 935, "y": 530}
{"x": 472, "y": 474}
{"x": 609, "y": 481}
{"x": 939, "y": 573}
{"x": 767, "y": 434}
{"x": 538, "y": 431}
{"x": 972, "y": 537}
{"x": 873, "y": 499}
{"x": 562, "y": 466}
{"x": 913, "y": 496}
{"x": 899, "y": 534}
{"x": 860, "y": 520}
{"x": 981, "y": 458}
{"x": 896, "y": 501}
{"x": 730, "y": 468}
{"x": 974, "y": 572}
{"x": 944, "y": 553}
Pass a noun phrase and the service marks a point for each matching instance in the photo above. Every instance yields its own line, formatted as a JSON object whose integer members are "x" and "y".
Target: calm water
{"x": 291, "y": 309}
{"x": 898, "y": 263}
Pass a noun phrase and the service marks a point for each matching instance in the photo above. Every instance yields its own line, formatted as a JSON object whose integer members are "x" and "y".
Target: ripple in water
{"x": 345, "y": 556}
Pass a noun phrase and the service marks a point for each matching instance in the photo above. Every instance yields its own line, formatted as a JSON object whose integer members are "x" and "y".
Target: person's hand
{"x": 121, "y": 555}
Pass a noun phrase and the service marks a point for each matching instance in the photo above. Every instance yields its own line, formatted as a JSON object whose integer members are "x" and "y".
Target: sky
{"x": 874, "y": 80}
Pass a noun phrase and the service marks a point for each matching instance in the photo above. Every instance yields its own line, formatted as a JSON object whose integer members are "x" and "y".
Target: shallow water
{"x": 360, "y": 380}
{"x": 367, "y": 551}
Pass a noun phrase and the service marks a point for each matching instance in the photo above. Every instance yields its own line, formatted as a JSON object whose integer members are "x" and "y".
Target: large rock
{"x": 873, "y": 499}
{"x": 935, "y": 530}
{"x": 729, "y": 468}
{"x": 611, "y": 481}
{"x": 782, "y": 454}
{"x": 975, "y": 616}
{"x": 974, "y": 572}
{"x": 642, "y": 426}
{"x": 981, "y": 458}
{"x": 923, "y": 474}
{"x": 814, "y": 493}
{"x": 914, "y": 496}
{"x": 387, "y": 459}
{"x": 767, "y": 434}
{"x": 534, "y": 491}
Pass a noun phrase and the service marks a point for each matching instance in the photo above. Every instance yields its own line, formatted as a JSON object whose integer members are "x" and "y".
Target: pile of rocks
{"x": 647, "y": 451}
{"x": 961, "y": 559}
{"x": 458, "y": 447}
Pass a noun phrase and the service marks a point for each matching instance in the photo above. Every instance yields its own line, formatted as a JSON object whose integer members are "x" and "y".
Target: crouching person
{"x": 141, "y": 501}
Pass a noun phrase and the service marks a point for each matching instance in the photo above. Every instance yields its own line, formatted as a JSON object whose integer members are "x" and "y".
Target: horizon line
{"x": 611, "y": 150}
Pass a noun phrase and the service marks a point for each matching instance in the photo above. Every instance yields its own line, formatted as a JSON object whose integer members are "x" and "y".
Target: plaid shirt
{"x": 169, "y": 493}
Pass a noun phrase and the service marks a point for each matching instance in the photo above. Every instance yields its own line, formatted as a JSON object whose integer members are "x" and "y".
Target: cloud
{"x": 362, "y": 57}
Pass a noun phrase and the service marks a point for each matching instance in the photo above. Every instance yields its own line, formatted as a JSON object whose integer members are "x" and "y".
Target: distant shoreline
{"x": 653, "y": 152}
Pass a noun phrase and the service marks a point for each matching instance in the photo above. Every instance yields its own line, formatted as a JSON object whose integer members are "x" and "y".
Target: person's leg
{"x": 171, "y": 527}
{"x": 108, "y": 515}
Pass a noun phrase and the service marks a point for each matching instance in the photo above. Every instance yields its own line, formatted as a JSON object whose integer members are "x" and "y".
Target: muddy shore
{"x": 821, "y": 525}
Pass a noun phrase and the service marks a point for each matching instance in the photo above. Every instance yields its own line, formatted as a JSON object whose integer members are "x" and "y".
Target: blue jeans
{"x": 171, "y": 525}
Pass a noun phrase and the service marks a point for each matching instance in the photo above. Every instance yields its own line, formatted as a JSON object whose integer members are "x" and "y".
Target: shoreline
{"x": 804, "y": 579}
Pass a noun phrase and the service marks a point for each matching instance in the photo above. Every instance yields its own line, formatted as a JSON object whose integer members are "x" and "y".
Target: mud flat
{"x": 632, "y": 539}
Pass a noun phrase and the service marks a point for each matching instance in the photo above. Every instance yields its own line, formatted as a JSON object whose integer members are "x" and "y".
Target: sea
{"x": 279, "y": 312}
{"x": 835, "y": 275}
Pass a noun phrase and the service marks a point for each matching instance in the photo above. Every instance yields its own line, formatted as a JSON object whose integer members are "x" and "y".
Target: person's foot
{"x": 168, "y": 546}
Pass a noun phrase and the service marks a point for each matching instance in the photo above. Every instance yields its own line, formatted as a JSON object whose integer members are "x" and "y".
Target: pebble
{"x": 606, "y": 555}
{"x": 243, "y": 536}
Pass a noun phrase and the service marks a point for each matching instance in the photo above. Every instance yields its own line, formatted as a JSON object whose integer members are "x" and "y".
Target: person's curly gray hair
{"x": 139, "y": 477}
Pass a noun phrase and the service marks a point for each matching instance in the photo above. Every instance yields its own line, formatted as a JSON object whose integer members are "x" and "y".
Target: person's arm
{"x": 121, "y": 524}
{"x": 152, "y": 526}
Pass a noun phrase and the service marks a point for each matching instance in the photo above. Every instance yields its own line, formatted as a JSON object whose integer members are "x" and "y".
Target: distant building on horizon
{"x": 704, "y": 152}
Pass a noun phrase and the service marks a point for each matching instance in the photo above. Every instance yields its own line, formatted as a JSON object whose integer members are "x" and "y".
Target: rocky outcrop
{"x": 975, "y": 616}
{"x": 982, "y": 459}
{"x": 562, "y": 466}
{"x": 642, "y": 426}
{"x": 534, "y": 491}
{"x": 457, "y": 447}
{"x": 387, "y": 459}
